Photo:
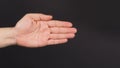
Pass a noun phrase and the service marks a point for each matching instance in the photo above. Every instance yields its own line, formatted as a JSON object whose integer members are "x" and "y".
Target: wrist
{"x": 12, "y": 35}
{"x": 7, "y": 37}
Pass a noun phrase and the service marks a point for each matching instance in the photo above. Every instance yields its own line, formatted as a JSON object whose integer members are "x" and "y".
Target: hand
{"x": 38, "y": 30}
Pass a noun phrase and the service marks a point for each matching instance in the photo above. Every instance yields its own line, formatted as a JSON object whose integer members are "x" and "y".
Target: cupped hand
{"x": 38, "y": 30}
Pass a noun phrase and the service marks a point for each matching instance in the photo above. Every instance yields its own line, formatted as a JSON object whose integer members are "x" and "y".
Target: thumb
{"x": 39, "y": 16}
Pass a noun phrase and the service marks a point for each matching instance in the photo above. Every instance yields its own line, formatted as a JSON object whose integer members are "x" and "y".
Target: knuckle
{"x": 65, "y": 30}
{"x": 64, "y": 36}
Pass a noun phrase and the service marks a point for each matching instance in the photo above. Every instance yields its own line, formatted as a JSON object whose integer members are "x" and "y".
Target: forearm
{"x": 7, "y": 37}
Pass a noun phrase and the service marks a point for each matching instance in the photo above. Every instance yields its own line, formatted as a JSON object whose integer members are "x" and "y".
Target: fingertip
{"x": 75, "y": 29}
{"x": 70, "y": 24}
{"x": 65, "y": 40}
{"x": 73, "y": 35}
{"x": 50, "y": 16}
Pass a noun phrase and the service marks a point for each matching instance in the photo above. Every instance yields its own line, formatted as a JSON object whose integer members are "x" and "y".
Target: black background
{"x": 96, "y": 44}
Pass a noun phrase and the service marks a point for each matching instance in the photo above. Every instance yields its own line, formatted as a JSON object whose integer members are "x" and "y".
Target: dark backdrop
{"x": 96, "y": 44}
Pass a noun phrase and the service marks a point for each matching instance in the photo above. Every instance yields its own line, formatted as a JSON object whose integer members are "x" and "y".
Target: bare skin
{"x": 37, "y": 30}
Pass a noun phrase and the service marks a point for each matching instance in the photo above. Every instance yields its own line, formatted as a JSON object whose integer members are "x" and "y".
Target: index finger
{"x": 56, "y": 23}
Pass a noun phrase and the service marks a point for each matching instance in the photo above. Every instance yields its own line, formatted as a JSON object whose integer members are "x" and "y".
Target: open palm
{"x": 38, "y": 30}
